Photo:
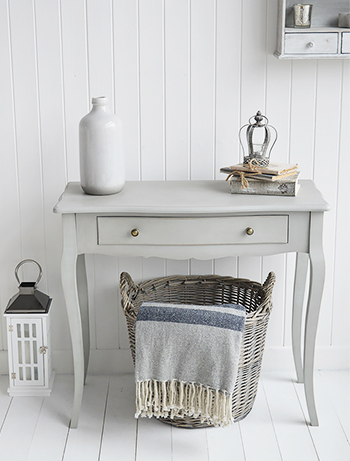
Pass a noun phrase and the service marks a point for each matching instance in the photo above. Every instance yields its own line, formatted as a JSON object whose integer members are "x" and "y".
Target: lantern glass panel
{"x": 27, "y": 351}
{"x": 26, "y": 330}
{"x": 21, "y": 373}
{"x": 35, "y": 352}
{"x": 34, "y": 330}
{"x": 18, "y": 330}
{"x": 259, "y": 139}
{"x": 36, "y": 374}
{"x": 28, "y": 373}
{"x": 20, "y": 358}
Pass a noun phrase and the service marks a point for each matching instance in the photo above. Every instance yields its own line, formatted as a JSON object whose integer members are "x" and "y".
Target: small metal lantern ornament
{"x": 258, "y": 140}
{"x": 28, "y": 338}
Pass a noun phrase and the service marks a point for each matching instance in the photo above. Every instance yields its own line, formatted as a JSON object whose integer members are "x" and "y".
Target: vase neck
{"x": 100, "y": 103}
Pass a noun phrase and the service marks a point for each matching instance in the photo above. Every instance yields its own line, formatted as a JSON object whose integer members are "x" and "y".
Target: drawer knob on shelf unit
{"x": 249, "y": 231}
{"x": 135, "y": 232}
{"x": 311, "y": 44}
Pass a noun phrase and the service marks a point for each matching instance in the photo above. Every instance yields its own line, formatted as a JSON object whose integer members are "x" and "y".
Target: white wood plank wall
{"x": 184, "y": 75}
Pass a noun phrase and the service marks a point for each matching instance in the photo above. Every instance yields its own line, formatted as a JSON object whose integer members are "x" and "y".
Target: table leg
{"x": 69, "y": 284}
{"x": 84, "y": 309}
{"x": 298, "y": 300}
{"x": 317, "y": 276}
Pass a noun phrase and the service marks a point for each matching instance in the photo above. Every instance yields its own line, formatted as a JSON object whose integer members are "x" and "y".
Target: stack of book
{"x": 275, "y": 179}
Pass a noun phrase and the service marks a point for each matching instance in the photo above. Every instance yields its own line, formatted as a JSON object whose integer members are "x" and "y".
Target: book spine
{"x": 258, "y": 187}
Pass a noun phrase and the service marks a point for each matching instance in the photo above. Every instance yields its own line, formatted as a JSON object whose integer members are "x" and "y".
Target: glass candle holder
{"x": 302, "y": 16}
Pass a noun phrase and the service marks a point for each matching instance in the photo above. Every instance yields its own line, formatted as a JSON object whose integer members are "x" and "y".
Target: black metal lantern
{"x": 28, "y": 338}
{"x": 258, "y": 140}
{"x": 28, "y": 299}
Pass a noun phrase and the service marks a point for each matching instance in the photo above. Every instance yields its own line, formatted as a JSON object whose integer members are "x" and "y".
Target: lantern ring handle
{"x": 29, "y": 261}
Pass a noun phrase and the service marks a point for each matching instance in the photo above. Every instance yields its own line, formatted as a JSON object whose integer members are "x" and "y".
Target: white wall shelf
{"x": 323, "y": 40}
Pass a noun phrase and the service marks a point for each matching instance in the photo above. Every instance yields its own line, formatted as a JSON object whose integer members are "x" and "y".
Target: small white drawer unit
{"x": 323, "y": 40}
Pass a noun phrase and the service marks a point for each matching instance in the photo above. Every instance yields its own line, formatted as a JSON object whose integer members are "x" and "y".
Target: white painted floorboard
{"x": 36, "y": 428}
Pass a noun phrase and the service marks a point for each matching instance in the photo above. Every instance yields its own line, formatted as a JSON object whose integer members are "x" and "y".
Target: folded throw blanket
{"x": 186, "y": 360}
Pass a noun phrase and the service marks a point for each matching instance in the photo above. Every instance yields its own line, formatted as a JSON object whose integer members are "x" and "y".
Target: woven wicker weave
{"x": 206, "y": 290}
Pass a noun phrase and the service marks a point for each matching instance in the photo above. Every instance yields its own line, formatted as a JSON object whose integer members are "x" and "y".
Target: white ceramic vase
{"x": 102, "y": 169}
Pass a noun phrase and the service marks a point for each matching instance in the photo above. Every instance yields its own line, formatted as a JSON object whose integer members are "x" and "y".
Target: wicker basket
{"x": 206, "y": 290}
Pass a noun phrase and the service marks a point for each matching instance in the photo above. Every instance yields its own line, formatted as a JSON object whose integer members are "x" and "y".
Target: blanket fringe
{"x": 178, "y": 398}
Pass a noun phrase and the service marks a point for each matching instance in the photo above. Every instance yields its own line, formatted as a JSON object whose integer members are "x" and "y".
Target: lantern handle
{"x": 259, "y": 118}
{"x": 28, "y": 261}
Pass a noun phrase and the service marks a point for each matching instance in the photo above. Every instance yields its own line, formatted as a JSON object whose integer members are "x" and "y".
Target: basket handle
{"x": 269, "y": 283}
{"x": 126, "y": 286}
{"x": 267, "y": 287}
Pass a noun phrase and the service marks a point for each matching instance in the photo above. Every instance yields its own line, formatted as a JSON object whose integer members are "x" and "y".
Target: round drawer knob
{"x": 135, "y": 232}
{"x": 311, "y": 44}
{"x": 249, "y": 231}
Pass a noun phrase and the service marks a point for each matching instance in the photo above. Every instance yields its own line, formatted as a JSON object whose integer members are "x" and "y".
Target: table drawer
{"x": 112, "y": 230}
{"x": 317, "y": 43}
{"x": 345, "y": 45}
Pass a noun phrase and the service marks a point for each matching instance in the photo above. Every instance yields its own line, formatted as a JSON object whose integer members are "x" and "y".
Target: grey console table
{"x": 192, "y": 219}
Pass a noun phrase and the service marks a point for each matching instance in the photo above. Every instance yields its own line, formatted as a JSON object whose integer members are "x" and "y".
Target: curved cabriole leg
{"x": 302, "y": 260}
{"x": 317, "y": 276}
{"x": 84, "y": 309}
{"x": 69, "y": 284}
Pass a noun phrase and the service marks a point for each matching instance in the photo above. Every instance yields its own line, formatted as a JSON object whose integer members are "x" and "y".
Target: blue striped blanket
{"x": 186, "y": 360}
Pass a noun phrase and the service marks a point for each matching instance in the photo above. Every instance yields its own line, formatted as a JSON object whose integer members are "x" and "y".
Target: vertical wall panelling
{"x": 151, "y": 40}
{"x": 177, "y": 73}
{"x": 341, "y": 298}
{"x": 174, "y": 267}
{"x": 75, "y": 75}
{"x": 201, "y": 267}
{"x": 278, "y": 82}
{"x": 227, "y": 101}
{"x": 278, "y": 88}
{"x": 253, "y": 89}
{"x": 126, "y": 80}
{"x": 226, "y": 266}
{"x": 202, "y": 109}
{"x": 26, "y": 106}
{"x": 203, "y": 115}
{"x": 52, "y": 144}
{"x": 10, "y": 224}
{"x": 228, "y": 83}
{"x": 250, "y": 267}
{"x": 253, "y": 92}
{"x": 302, "y": 123}
{"x": 100, "y": 50}
{"x": 153, "y": 267}
{"x": 184, "y": 76}
{"x": 327, "y": 125}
